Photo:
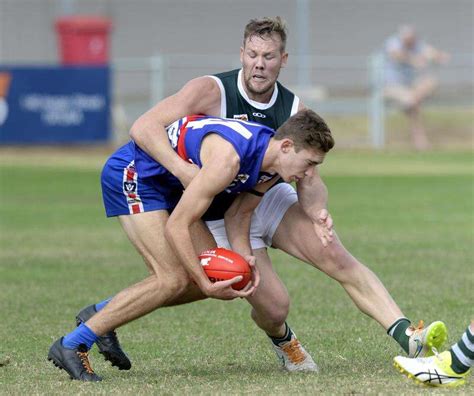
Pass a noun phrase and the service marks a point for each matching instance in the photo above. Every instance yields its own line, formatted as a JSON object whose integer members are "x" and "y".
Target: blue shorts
{"x": 125, "y": 193}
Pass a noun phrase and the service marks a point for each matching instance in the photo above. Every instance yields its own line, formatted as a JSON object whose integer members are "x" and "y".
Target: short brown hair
{"x": 264, "y": 27}
{"x": 307, "y": 130}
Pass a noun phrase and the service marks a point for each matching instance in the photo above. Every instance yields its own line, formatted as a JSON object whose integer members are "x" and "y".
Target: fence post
{"x": 377, "y": 107}
{"x": 157, "y": 78}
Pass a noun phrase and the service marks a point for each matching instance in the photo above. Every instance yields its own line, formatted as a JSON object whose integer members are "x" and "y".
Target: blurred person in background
{"x": 447, "y": 369}
{"x": 408, "y": 79}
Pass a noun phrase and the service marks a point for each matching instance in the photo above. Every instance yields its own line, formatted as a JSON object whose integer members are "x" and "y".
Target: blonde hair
{"x": 264, "y": 27}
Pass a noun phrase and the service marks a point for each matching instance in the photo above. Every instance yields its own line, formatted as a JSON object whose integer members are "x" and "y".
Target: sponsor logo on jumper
{"x": 260, "y": 115}
{"x": 242, "y": 117}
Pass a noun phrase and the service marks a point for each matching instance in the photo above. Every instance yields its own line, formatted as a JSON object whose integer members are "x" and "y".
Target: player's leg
{"x": 127, "y": 305}
{"x": 270, "y": 307}
{"x": 168, "y": 280}
{"x": 145, "y": 230}
{"x": 295, "y": 235}
{"x": 168, "y": 283}
{"x": 270, "y": 303}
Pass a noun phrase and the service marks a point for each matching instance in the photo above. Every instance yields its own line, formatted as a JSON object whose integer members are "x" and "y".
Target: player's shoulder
{"x": 227, "y": 75}
{"x": 202, "y": 85}
{"x": 200, "y": 95}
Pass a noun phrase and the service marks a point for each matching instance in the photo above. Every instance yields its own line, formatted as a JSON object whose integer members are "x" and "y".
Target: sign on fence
{"x": 54, "y": 105}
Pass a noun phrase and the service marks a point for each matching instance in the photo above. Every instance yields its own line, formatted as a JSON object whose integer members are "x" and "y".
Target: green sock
{"x": 285, "y": 338}
{"x": 456, "y": 364}
{"x": 398, "y": 331}
{"x": 462, "y": 353}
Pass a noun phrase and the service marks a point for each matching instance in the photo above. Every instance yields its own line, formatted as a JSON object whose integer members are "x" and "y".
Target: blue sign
{"x": 54, "y": 105}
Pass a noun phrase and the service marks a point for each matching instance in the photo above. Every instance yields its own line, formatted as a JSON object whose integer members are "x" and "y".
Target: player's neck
{"x": 270, "y": 159}
{"x": 260, "y": 98}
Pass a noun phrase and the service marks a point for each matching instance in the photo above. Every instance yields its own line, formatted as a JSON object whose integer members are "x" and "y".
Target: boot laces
{"x": 418, "y": 328}
{"x": 84, "y": 356}
{"x": 294, "y": 351}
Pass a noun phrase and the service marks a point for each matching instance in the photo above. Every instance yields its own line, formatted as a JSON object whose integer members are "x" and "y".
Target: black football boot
{"x": 108, "y": 344}
{"x": 74, "y": 361}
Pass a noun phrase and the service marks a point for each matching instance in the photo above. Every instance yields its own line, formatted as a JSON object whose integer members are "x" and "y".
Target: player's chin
{"x": 262, "y": 87}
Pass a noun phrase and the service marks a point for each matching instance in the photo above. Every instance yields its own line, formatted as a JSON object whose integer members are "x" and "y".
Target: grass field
{"x": 409, "y": 217}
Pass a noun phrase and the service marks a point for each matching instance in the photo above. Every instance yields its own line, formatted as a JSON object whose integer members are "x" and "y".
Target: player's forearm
{"x": 152, "y": 137}
{"x": 238, "y": 233}
{"x": 179, "y": 237}
{"x": 237, "y": 220}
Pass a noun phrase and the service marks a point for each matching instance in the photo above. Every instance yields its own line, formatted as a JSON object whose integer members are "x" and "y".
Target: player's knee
{"x": 179, "y": 283}
{"x": 174, "y": 284}
{"x": 274, "y": 314}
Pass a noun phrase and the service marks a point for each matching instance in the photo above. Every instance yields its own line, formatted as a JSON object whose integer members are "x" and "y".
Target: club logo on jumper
{"x": 260, "y": 115}
{"x": 264, "y": 177}
{"x": 243, "y": 177}
{"x": 242, "y": 117}
{"x": 130, "y": 187}
{"x": 240, "y": 178}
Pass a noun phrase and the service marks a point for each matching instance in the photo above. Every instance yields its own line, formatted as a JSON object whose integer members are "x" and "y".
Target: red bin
{"x": 83, "y": 40}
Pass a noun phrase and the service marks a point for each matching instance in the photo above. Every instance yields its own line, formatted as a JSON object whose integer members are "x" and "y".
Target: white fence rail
{"x": 340, "y": 85}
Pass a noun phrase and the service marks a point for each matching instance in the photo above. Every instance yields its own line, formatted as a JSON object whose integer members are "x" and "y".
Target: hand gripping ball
{"x": 223, "y": 264}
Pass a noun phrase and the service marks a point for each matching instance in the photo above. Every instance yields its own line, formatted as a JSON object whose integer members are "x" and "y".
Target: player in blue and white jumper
{"x": 233, "y": 156}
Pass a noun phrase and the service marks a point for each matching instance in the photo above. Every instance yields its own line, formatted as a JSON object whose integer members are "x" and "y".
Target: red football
{"x": 223, "y": 264}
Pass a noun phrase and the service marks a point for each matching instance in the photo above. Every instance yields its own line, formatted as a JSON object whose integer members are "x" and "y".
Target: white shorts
{"x": 265, "y": 220}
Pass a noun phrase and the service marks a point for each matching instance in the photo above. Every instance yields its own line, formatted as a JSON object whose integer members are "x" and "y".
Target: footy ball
{"x": 223, "y": 264}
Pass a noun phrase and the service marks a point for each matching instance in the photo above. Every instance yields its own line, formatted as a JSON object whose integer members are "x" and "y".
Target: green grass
{"x": 409, "y": 217}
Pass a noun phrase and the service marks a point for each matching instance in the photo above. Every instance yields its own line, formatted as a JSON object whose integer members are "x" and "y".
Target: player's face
{"x": 262, "y": 59}
{"x": 295, "y": 166}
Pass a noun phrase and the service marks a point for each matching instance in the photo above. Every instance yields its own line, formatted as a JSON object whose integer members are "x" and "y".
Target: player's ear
{"x": 286, "y": 145}
{"x": 284, "y": 59}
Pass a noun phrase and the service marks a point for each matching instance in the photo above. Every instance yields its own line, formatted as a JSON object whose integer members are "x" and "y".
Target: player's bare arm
{"x": 199, "y": 96}
{"x": 238, "y": 218}
{"x": 313, "y": 198}
{"x": 211, "y": 179}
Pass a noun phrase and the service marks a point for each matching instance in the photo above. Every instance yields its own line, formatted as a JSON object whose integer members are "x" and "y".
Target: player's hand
{"x": 187, "y": 173}
{"x": 255, "y": 281}
{"x": 323, "y": 227}
{"x": 222, "y": 290}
